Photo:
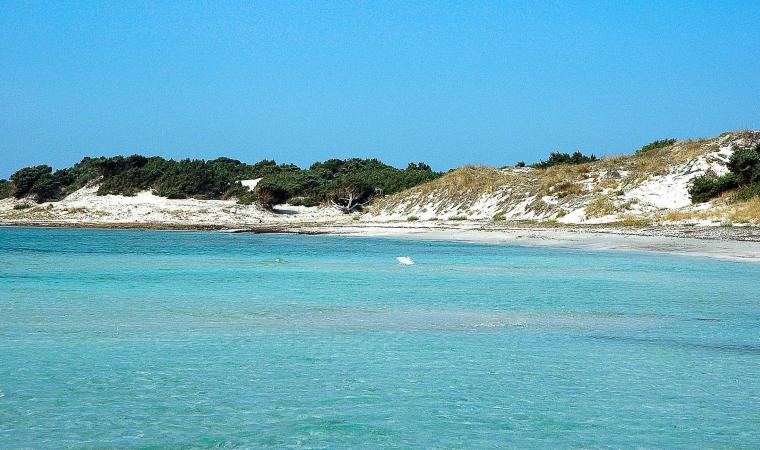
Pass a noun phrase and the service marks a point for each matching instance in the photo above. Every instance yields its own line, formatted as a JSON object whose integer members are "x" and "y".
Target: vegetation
{"x": 6, "y": 189}
{"x": 303, "y": 201}
{"x": 557, "y": 158}
{"x": 708, "y": 186}
{"x": 346, "y": 183}
{"x": 745, "y": 163}
{"x": 600, "y": 206}
{"x": 747, "y": 192}
{"x": 744, "y": 166}
{"x": 654, "y": 145}
{"x": 412, "y": 219}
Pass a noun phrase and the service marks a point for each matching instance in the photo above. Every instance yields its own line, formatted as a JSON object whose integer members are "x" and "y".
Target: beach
{"x": 727, "y": 243}
{"x": 735, "y": 244}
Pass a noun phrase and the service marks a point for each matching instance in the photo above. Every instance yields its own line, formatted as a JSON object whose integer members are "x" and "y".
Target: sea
{"x": 170, "y": 339}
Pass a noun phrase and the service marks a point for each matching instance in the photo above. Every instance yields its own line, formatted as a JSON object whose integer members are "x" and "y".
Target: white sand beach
{"x": 732, "y": 244}
{"x": 86, "y": 209}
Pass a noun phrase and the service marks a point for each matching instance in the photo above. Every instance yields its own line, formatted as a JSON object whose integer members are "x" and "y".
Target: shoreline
{"x": 733, "y": 244}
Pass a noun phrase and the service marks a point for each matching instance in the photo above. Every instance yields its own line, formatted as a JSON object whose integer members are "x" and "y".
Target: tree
{"x": 45, "y": 188}
{"x": 744, "y": 163}
{"x": 25, "y": 179}
{"x": 350, "y": 196}
{"x": 6, "y": 189}
{"x": 707, "y": 186}
{"x": 270, "y": 193}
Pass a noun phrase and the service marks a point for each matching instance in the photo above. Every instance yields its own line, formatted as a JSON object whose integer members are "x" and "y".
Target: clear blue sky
{"x": 445, "y": 82}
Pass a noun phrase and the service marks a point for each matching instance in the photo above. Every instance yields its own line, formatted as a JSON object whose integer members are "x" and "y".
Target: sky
{"x": 449, "y": 83}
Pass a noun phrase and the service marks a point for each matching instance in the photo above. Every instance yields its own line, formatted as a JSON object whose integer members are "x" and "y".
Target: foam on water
{"x": 174, "y": 339}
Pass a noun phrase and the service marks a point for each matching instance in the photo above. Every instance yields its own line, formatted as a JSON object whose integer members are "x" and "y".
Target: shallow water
{"x": 186, "y": 339}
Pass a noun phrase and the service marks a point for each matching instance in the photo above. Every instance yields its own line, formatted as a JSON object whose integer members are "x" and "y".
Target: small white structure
{"x": 404, "y": 260}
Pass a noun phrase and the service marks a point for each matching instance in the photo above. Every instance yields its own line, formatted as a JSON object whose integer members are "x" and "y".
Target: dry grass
{"x": 607, "y": 183}
{"x": 482, "y": 179}
{"x": 630, "y": 221}
{"x": 34, "y": 212}
{"x": 572, "y": 185}
{"x": 566, "y": 189}
{"x": 747, "y": 211}
{"x": 678, "y": 216}
{"x": 659, "y": 161}
{"x": 689, "y": 216}
{"x": 460, "y": 186}
{"x": 600, "y": 206}
{"x": 654, "y": 162}
{"x": 563, "y": 180}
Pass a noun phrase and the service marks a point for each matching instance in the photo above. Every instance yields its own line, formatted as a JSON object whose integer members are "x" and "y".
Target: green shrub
{"x": 557, "y": 158}
{"x": 219, "y": 178}
{"x": 654, "y": 145}
{"x": 705, "y": 187}
{"x": 747, "y": 192}
{"x": 412, "y": 219}
{"x": 6, "y": 189}
{"x": 19, "y": 206}
{"x": 269, "y": 193}
{"x": 247, "y": 198}
{"x": 458, "y": 218}
{"x": 499, "y": 218}
{"x": 25, "y": 179}
{"x": 745, "y": 163}
{"x": 303, "y": 201}
{"x": 41, "y": 182}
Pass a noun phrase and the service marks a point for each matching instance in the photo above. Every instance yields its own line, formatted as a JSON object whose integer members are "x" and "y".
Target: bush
{"x": 458, "y": 218}
{"x": 270, "y": 193}
{"x": 747, "y": 192}
{"x": 412, "y": 219}
{"x": 19, "y": 206}
{"x": 744, "y": 165}
{"x": 219, "y": 178}
{"x": 45, "y": 188}
{"x": 654, "y": 145}
{"x": 520, "y": 164}
{"x": 744, "y": 162}
{"x": 303, "y": 201}
{"x": 25, "y": 179}
{"x": 705, "y": 187}
{"x": 557, "y": 158}
{"x": 499, "y": 218}
{"x": 6, "y": 189}
{"x": 41, "y": 182}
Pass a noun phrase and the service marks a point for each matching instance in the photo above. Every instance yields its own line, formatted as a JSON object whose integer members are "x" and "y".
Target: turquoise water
{"x": 189, "y": 339}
